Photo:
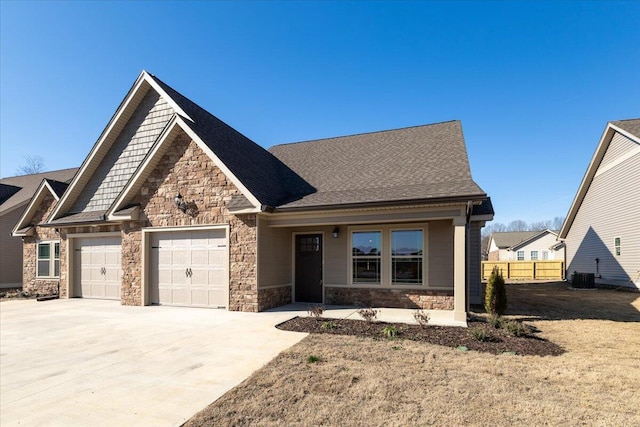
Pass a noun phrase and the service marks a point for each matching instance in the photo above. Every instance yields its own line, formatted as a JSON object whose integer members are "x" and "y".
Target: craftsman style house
{"x": 173, "y": 206}
{"x": 602, "y": 228}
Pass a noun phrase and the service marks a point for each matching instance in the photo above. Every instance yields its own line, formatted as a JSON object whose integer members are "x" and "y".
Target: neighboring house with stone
{"x": 525, "y": 246}
{"x": 15, "y": 194}
{"x": 602, "y": 229}
{"x": 173, "y": 206}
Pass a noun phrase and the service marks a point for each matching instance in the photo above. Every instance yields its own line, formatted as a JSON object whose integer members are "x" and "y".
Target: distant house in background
{"x": 15, "y": 194}
{"x": 525, "y": 246}
{"x": 602, "y": 228}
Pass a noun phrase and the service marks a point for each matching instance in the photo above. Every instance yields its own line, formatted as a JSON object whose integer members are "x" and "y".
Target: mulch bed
{"x": 456, "y": 337}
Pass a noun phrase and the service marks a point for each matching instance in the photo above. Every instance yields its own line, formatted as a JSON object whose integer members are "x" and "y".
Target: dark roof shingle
{"x": 416, "y": 163}
{"x": 631, "y": 125}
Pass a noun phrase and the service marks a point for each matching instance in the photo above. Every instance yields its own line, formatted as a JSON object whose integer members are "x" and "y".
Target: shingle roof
{"x": 270, "y": 181}
{"x": 632, "y": 126}
{"x": 28, "y": 185}
{"x": 57, "y": 186}
{"x": 415, "y": 163}
{"x": 78, "y": 218}
{"x": 507, "y": 239}
{"x": 6, "y": 191}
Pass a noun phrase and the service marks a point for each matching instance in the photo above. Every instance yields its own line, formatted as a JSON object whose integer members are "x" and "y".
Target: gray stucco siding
{"x": 126, "y": 153}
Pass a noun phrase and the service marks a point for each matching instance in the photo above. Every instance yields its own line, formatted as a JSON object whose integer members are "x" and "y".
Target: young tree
{"x": 32, "y": 164}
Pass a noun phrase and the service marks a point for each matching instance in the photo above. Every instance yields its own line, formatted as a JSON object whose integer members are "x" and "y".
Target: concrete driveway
{"x": 94, "y": 362}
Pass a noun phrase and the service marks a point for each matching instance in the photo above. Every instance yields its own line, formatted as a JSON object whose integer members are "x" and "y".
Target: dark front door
{"x": 309, "y": 268}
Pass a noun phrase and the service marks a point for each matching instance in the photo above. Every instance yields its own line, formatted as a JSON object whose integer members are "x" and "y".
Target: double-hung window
{"x": 520, "y": 255}
{"x": 534, "y": 255}
{"x": 48, "y": 263}
{"x": 617, "y": 245}
{"x": 406, "y": 257}
{"x": 366, "y": 247}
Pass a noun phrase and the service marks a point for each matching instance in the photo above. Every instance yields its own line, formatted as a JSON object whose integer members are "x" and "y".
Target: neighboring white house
{"x": 525, "y": 246}
{"x": 602, "y": 229}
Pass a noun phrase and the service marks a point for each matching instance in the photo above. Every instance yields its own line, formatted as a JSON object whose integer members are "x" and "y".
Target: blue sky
{"x": 534, "y": 83}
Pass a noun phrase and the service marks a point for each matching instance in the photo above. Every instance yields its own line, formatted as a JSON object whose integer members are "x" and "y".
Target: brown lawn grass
{"x": 362, "y": 381}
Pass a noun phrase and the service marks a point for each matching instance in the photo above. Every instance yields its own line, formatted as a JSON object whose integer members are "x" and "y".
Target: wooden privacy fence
{"x": 525, "y": 270}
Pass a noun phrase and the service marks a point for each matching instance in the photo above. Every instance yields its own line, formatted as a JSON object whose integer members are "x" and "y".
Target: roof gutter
{"x": 474, "y": 199}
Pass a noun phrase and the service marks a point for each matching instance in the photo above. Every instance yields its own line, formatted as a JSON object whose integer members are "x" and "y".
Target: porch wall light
{"x": 336, "y": 232}
{"x": 180, "y": 203}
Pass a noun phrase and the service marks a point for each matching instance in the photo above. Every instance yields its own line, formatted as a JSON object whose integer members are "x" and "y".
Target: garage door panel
{"x": 98, "y": 267}
{"x": 189, "y": 268}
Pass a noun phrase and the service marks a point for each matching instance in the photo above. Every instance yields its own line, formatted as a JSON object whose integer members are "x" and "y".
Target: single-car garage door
{"x": 189, "y": 268}
{"x": 98, "y": 267}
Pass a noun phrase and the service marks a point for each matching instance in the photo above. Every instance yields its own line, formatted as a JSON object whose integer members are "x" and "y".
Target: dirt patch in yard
{"x": 363, "y": 381}
{"x": 494, "y": 341}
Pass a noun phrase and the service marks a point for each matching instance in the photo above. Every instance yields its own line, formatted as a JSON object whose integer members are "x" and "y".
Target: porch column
{"x": 459, "y": 271}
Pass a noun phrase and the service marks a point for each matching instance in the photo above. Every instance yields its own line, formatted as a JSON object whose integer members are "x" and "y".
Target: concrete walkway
{"x": 81, "y": 362}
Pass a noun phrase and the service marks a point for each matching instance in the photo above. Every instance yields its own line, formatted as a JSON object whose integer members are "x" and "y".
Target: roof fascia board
{"x": 176, "y": 122}
{"x": 34, "y": 203}
{"x": 67, "y": 198}
{"x": 166, "y": 96}
{"x": 391, "y": 203}
{"x": 194, "y": 136}
{"x": 596, "y": 159}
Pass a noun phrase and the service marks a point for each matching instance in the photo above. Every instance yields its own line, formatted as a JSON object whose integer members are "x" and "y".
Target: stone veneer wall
{"x": 393, "y": 298}
{"x": 273, "y": 297}
{"x": 31, "y": 283}
{"x": 187, "y": 170}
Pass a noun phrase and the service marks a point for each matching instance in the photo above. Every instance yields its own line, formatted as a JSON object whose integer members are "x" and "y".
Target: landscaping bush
{"x": 316, "y": 311}
{"x": 390, "y": 332}
{"x": 495, "y": 301}
{"x": 368, "y": 314}
{"x": 422, "y": 317}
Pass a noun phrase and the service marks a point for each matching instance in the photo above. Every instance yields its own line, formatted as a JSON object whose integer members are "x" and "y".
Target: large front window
{"x": 366, "y": 250}
{"x": 406, "y": 257}
{"x": 48, "y": 264}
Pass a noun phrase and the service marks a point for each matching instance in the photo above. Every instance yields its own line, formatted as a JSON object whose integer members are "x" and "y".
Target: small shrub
{"x": 422, "y": 317}
{"x": 496, "y": 321}
{"x": 327, "y": 326}
{"x": 516, "y": 329}
{"x": 480, "y": 334}
{"x": 390, "y": 332}
{"x": 312, "y": 359}
{"x": 495, "y": 301}
{"x": 368, "y": 314}
{"x": 315, "y": 311}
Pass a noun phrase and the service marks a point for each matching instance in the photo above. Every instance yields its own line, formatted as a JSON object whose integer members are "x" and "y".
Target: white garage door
{"x": 189, "y": 268}
{"x": 98, "y": 267}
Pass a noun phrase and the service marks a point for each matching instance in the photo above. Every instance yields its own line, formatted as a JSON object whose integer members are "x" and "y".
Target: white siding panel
{"x": 611, "y": 208}
{"x": 126, "y": 153}
{"x": 619, "y": 146}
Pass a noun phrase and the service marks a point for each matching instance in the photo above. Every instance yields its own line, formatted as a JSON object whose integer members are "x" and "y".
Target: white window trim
{"x": 537, "y": 258}
{"x": 52, "y": 258}
{"x": 617, "y": 248}
{"x": 518, "y": 256}
{"x": 386, "y": 259}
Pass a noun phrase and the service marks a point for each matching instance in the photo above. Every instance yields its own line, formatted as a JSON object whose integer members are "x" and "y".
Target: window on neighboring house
{"x": 520, "y": 255}
{"x": 534, "y": 255}
{"x": 48, "y": 264}
{"x": 406, "y": 257}
{"x": 366, "y": 256}
{"x": 616, "y": 244}
{"x": 545, "y": 255}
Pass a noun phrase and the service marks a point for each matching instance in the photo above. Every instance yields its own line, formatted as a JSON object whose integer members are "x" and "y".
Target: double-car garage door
{"x": 186, "y": 268}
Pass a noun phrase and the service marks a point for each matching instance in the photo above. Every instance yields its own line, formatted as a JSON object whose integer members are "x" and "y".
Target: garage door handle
{"x": 103, "y": 271}
{"x": 188, "y": 272}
